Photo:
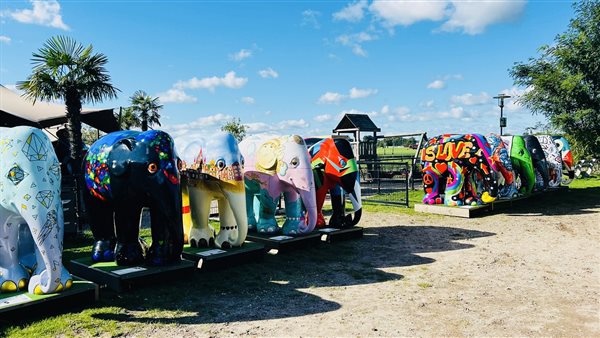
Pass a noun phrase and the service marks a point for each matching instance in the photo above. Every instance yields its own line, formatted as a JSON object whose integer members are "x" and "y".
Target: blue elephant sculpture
{"x": 124, "y": 172}
{"x": 30, "y": 179}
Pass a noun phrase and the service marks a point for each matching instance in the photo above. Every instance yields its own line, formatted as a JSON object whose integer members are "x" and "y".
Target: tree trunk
{"x": 73, "y": 103}
{"x": 144, "y": 117}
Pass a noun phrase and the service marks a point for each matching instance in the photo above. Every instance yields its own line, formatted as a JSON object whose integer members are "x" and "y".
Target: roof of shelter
{"x": 16, "y": 110}
{"x": 362, "y": 122}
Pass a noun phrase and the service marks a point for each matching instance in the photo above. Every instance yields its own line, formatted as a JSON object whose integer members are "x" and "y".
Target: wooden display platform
{"x": 283, "y": 243}
{"x": 331, "y": 235}
{"x": 209, "y": 259}
{"x": 468, "y": 211}
{"x": 125, "y": 278}
{"x": 24, "y": 305}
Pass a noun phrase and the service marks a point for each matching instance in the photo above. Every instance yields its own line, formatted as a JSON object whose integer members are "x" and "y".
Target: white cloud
{"x": 185, "y": 133}
{"x": 241, "y": 55}
{"x": 175, "y": 96}
{"x": 331, "y": 97}
{"x": 285, "y": 126}
{"x": 473, "y": 17}
{"x": 406, "y": 13}
{"x": 230, "y": 80}
{"x": 511, "y": 104}
{"x": 469, "y": 99}
{"x": 45, "y": 13}
{"x": 268, "y": 73}
{"x": 428, "y": 104}
{"x": 356, "y": 93}
{"x": 470, "y": 17}
{"x": 323, "y": 118}
{"x": 437, "y": 84}
{"x": 353, "y": 12}
{"x": 248, "y": 100}
{"x": 5, "y": 39}
{"x": 385, "y": 109}
{"x": 311, "y": 18}
{"x": 354, "y": 41}
{"x": 353, "y": 93}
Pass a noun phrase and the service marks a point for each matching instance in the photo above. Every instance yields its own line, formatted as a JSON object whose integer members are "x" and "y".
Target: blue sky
{"x": 298, "y": 66}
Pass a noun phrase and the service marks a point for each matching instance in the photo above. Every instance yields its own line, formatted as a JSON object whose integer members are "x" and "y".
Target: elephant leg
{"x": 338, "y": 206}
{"x": 293, "y": 213}
{"x": 454, "y": 185}
{"x": 431, "y": 184}
{"x": 233, "y": 219}
{"x": 129, "y": 250}
{"x": 165, "y": 247}
{"x": 252, "y": 188}
{"x": 201, "y": 235}
{"x": 266, "y": 215}
{"x": 100, "y": 216}
{"x": 47, "y": 231}
{"x": 321, "y": 194}
{"x": 13, "y": 276}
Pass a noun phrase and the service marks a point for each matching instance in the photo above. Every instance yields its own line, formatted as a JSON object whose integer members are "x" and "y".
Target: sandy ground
{"x": 515, "y": 274}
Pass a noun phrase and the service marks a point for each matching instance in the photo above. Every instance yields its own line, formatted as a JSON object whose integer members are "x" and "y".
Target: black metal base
{"x": 331, "y": 235}
{"x": 121, "y": 278}
{"x": 24, "y": 306}
{"x": 210, "y": 259}
{"x": 283, "y": 243}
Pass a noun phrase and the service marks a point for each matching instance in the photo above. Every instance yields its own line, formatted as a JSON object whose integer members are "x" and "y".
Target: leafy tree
{"x": 66, "y": 70}
{"x": 127, "y": 118}
{"x": 90, "y": 135}
{"x": 236, "y": 128}
{"x": 146, "y": 108}
{"x": 564, "y": 81}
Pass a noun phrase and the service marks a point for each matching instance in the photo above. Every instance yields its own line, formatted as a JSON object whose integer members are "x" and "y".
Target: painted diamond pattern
{"x": 16, "y": 174}
{"x": 26, "y": 197}
{"x": 35, "y": 148}
{"x": 51, "y": 222}
{"x": 45, "y": 197}
{"x": 55, "y": 169}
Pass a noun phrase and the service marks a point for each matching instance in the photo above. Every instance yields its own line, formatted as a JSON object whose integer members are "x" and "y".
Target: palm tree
{"x": 66, "y": 70}
{"x": 147, "y": 108}
{"x": 127, "y": 118}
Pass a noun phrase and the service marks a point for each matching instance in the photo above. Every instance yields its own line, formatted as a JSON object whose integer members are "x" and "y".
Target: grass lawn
{"x": 239, "y": 293}
{"x": 395, "y": 151}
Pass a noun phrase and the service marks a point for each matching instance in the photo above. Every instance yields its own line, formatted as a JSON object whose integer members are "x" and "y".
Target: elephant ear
{"x": 265, "y": 157}
{"x": 120, "y": 157}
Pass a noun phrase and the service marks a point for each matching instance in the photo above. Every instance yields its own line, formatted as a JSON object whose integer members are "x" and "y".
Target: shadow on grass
{"x": 562, "y": 202}
{"x": 281, "y": 286}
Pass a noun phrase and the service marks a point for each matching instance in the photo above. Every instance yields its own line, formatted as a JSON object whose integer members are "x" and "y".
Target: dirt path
{"x": 520, "y": 274}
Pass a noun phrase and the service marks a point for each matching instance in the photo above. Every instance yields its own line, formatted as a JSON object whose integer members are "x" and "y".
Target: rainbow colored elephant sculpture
{"x": 450, "y": 162}
{"x": 567, "y": 158}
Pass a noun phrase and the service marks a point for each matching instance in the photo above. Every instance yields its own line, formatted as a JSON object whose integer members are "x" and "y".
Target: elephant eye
{"x": 220, "y": 164}
{"x": 179, "y": 164}
{"x": 294, "y": 162}
{"x": 152, "y": 168}
{"x": 342, "y": 163}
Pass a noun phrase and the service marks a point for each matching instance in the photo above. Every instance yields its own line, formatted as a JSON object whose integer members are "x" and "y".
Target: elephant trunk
{"x": 310, "y": 204}
{"x": 355, "y": 198}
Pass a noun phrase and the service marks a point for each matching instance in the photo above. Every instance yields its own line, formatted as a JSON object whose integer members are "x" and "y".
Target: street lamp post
{"x": 501, "y": 98}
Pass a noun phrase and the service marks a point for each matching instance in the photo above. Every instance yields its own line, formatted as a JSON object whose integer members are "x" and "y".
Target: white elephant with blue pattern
{"x": 30, "y": 180}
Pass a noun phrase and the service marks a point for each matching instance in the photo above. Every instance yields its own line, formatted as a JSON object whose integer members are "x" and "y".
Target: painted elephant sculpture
{"x": 124, "y": 172}
{"x": 507, "y": 187}
{"x": 567, "y": 159}
{"x": 540, "y": 164}
{"x": 213, "y": 169}
{"x": 450, "y": 163}
{"x": 521, "y": 163}
{"x": 336, "y": 171}
{"x": 30, "y": 195}
{"x": 276, "y": 165}
{"x": 553, "y": 158}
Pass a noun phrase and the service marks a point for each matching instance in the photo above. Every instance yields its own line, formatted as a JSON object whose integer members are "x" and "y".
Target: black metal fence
{"x": 385, "y": 181}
